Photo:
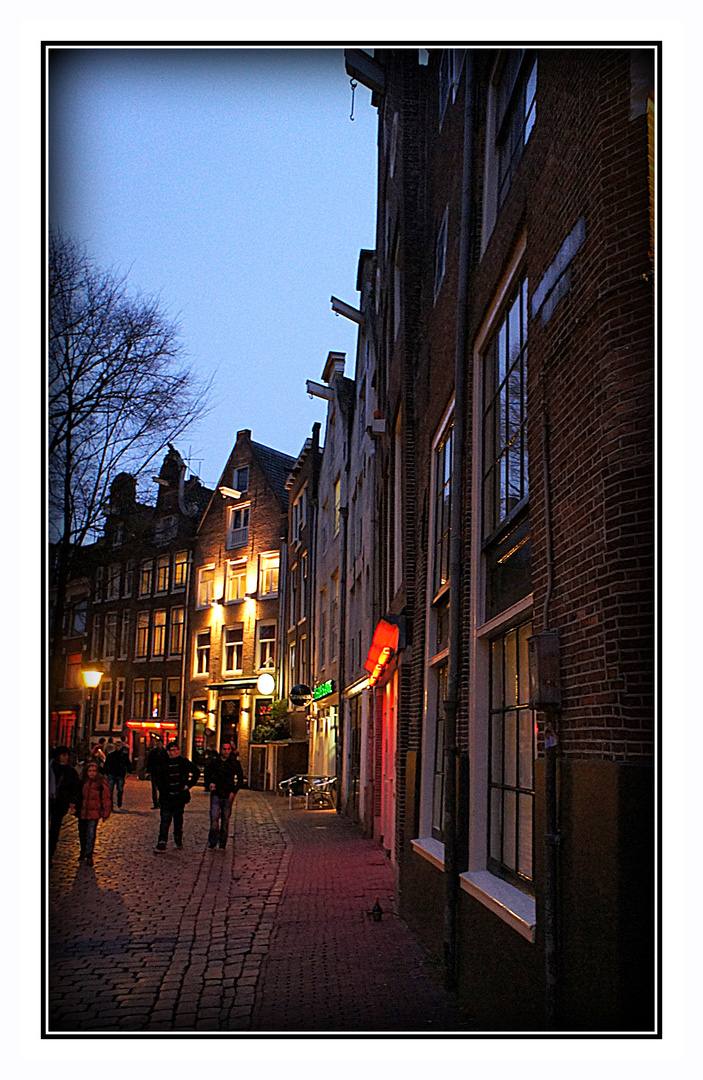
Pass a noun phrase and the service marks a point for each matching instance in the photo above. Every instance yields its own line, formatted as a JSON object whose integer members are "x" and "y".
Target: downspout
{"x": 341, "y": 670}
{"x": 552, "y": 837}
{"x": 451, "y": 860}
{"x": 184, "y": 659}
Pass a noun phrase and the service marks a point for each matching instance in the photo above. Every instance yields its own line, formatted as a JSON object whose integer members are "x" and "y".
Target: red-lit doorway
{"x": 388, "y": 748}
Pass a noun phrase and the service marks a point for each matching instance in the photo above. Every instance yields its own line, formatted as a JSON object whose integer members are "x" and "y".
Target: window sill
{"x": 514, "y": 907}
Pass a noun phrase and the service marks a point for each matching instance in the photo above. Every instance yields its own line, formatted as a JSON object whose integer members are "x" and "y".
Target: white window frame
{"x": 118, "y": 716}
{"x": 125, "y": 627}
{"x": 161, "y": 626}
{"x": 110, "y": 635}
{"x": 202, "y": 652}
{"x": 209, "y": 593}
{"x": 236, "y": 646}
{"x": 180, "y": 635}
{"x": 265, "y": 570}
{"x": 236, "y": 570}
{"x": 114, "y": 573}
{"x": 262, "y": 646}
{"x": 238, "y": 536}
{"x": 104, "y": 704}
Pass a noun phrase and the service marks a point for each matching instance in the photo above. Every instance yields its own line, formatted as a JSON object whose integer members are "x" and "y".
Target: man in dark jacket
{"x": 223, "y": 779}
{"x": 174, "y": 779}
{"x": 64, "y": 788}
{"x": 157, "y": 756}
{"x": 117, "y": 766}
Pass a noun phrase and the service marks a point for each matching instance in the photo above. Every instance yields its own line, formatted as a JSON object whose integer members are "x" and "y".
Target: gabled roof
{"x": 277, "y": 467}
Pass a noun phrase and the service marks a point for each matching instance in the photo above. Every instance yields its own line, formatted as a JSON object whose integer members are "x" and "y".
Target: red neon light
{"x": 384, "y": 644}
{"x": 152, "y": 726}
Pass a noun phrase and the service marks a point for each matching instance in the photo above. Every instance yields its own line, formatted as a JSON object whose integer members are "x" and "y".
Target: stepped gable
{"x": 277, "y": 467}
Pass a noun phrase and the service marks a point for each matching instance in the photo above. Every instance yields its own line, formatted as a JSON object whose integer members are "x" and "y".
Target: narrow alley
{"x": 274, "y": 934}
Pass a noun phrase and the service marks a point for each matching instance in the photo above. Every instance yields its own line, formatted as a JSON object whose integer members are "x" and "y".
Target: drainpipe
{"x": 182, "y": 721}
{"x": 552, "y": 837}
{"x": 341, "y": 668}
{"x": 451, "y": 861}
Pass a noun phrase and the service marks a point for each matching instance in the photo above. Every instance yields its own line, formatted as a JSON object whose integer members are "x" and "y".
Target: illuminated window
{"x": 268, "y": 574}
{"x": 158, "y": 641}
{"x": 146, "y": 574}
{"x": 138, "y": 698}
{"x": 236, "y": 581}
{"x": 337, "y": 503}
{"x": 234, "y": 647}
{"x": 173, "y": 699}
{"x": 73, "y": 671}
{"x": 162, "y": 573}
{"x": 206, "y": 585}
{"x": 237, "y": 526}
{"x": 180, "y": 570}
{"x": 177, "y": 627}
{"x": 202, "y": 652}
{"x": 267, "y": 646}
{"x": 155, "y": 698}
{"x": 511, "y": 757}
{"x": 142, "y": 643}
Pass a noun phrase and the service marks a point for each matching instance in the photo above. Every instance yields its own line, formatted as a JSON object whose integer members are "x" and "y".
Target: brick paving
{"x": 271, "y": 935}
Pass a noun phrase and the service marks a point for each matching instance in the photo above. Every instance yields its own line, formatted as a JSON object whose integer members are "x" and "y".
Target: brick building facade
{"x": 514, "y": 315}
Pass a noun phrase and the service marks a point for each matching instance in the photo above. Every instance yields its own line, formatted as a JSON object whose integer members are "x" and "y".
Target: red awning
{"x": 383, "y": 647}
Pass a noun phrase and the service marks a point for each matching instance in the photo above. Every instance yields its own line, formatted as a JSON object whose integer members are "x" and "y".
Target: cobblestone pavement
{"x": 271, "y": 935}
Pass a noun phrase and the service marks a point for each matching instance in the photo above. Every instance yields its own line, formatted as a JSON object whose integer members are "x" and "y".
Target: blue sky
{"x": 232, "y": 184}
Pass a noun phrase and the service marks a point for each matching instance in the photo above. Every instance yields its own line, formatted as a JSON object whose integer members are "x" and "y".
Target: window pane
{"x": 525, "y": 838}
{"x": 526, "y": 748}
{"x": 509, "y": 824}
{"x": 497, "y": 749}
{"x": 511, "y": 668}
{"x": 511, "y": 749}
{"x": 524, "y": 673}
{"x": 496, "y": 823}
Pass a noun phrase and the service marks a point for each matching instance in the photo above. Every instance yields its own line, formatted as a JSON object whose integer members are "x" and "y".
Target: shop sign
{"x": 383, "y": 647}
{"x": 323, "y": 690}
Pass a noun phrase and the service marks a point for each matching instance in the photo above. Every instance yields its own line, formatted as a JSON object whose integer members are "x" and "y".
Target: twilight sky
{"x": 232, "y": 184}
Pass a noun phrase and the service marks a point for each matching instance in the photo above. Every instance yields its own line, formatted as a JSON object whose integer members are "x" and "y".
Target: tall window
{"x": 241, "y": 479}
{"x": 180, "y": 570}
{"x": 146, "y": 573}
{"x": 177, "y": 626}
{"x": 206, "y": 585}
{"x": 104, "y": 700}
{"x": 202, "y": 652}
{"x": 267, "y": 646}
{"x": 292, "y": 670}
{"x": 73, "y": 671}
{"x": 442, "y": 509}
{"x": 95, "y": 637}
{"x": 516, "y": 110}
{"x": 293, "y": 594}
{"x": 113, "y": 581}
{"x": 440, "y": 254}
{"x": 162, "y": 573}
{"x": 155, "y": 698}
{"x": 138, "y": 698}
{"x": 303, "y": 584}
{"x": 512, "y": 751}
{"x": 124, "y": 635}
{"x": 236, "y": 582}
{"x": 322, "y": 628}
{"x": 299, "y": 514}
{"x": 237, "y": 526}
{"x": 142, "y": 643}
{"x": 334, "y": 614}
{"x": 173, "y": 698}
{"x": 234, "y": 647}
{"x": 505, "y": 480}
{"x": 268, "y": 574}
{"x": 398, "y": 505}
{"x": 158, "y": 641}
{"x": 118, "y": 718}
{"x": 110, "y": 643}
{"x": 438, "y": 780}
{"x": 128, "y": 583}
{"x": 337, "y": 503}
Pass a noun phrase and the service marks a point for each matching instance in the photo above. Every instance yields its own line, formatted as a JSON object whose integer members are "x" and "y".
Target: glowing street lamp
{"x": 91, "y": 678}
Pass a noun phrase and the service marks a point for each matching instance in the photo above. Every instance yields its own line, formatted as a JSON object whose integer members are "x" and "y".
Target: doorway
{"x": 388, "y": 748}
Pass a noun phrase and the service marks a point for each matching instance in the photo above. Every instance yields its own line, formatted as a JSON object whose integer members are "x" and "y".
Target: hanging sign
{"x": 323, "y": 690}
{"x": 383, "y": 647}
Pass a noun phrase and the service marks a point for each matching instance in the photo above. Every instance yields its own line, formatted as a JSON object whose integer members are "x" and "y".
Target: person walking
{"x": 223, "y": 779}
{"x": 117, "y": 765}
{"x": 64, "y": 787}
{"x": 156, "y": 757}
{"x": 94, "y": 803}
{"x": 174, "y": 779}
{"x": 97, "y": 754}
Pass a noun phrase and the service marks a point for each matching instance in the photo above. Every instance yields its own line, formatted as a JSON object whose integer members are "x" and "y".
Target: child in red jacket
{"x": 95, "y": 803}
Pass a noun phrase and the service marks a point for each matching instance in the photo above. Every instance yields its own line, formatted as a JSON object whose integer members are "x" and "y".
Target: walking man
{"x": 174, "y": 779}
{"x": 117, "y": 765}
{"x": 223, "y": 779}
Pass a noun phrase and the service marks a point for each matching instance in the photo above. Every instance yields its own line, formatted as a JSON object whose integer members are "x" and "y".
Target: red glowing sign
{"x": 383, "y": 646}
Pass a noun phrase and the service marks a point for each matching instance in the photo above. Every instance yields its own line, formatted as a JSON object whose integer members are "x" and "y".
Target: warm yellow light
{"x": 265, "y": 683}
{"x": 92, "y": 678}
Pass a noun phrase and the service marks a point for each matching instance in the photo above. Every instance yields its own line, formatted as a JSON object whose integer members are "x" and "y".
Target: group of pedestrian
{"x": 90, "y": 796}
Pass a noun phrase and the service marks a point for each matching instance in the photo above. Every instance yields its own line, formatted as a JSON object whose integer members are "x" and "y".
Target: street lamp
{"x": 91, "y": 679}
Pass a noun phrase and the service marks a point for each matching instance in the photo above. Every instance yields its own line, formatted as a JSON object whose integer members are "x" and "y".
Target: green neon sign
{"x": 322, "y": 690}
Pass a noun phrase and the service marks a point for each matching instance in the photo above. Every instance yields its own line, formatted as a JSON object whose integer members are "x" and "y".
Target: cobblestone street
{"x": 271, "y": 935}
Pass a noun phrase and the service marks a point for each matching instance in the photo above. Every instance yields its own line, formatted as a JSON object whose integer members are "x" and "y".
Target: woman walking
{"x": 94, "y": 803}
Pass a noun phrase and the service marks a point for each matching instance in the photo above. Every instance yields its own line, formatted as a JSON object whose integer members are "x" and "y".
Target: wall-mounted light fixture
{"x": 229, "y": 493}
{"x": 265, "y": 684}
